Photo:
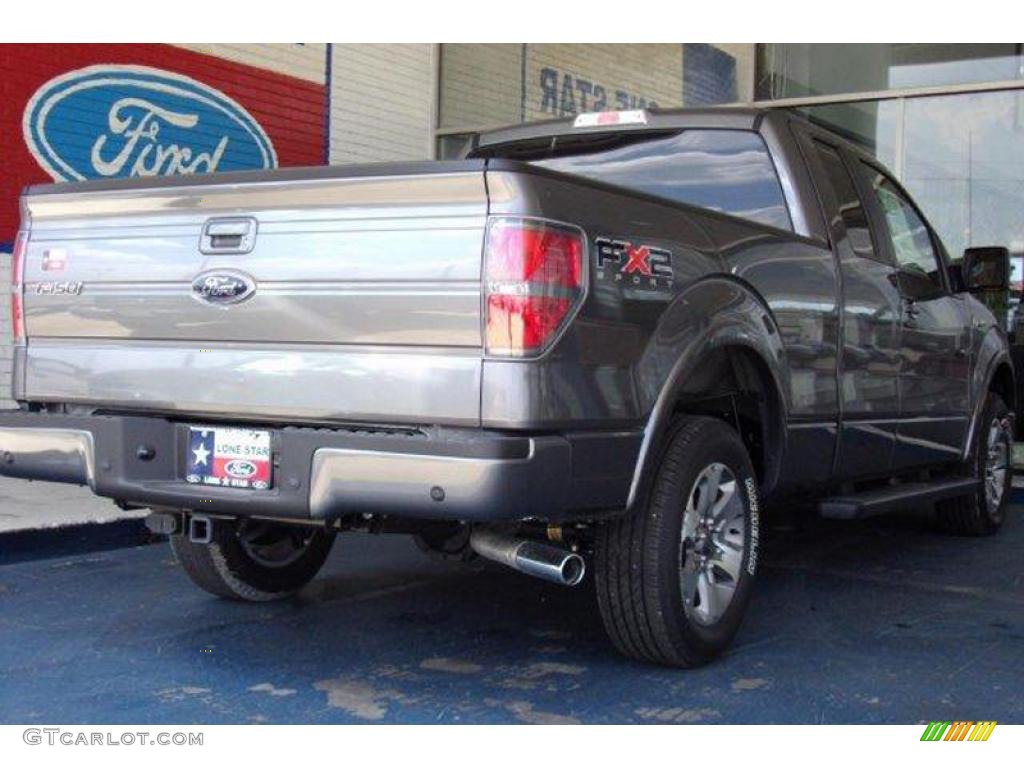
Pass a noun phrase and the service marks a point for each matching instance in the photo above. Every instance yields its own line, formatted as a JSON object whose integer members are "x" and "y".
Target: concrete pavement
{"x": 27, "y": 504}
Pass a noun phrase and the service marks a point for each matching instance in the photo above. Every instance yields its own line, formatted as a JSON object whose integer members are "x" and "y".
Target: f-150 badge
{"x": 637, "y": 264}
{"x": 59, "y": 288}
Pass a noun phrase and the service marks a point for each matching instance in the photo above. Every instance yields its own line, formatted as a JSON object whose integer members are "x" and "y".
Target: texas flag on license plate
{"x": 236, "y": 458}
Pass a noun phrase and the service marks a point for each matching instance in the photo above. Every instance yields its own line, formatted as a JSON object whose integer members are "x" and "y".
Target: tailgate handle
{"x": 228, "y": 235}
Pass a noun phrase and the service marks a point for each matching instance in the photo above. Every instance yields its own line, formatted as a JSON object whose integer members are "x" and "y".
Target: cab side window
{"x": 851, "y": 210}
{"x": 909, "y": 238}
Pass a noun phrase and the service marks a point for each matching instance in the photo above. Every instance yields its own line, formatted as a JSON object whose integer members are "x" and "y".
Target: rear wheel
{"x": 254, "y": 560}
{"x": 674, "y": 578}
{"x": 991, "y": 462}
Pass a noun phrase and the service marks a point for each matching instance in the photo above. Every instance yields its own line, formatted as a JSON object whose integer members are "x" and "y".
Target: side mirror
{"x": 986, "y": 269}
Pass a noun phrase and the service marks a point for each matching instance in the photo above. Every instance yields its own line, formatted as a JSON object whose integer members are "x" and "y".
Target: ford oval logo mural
{"x": 115, "y": 121}
{"x": 223, "y": 287}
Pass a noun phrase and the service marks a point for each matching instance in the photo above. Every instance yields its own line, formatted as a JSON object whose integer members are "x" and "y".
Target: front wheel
{"x": 674, "y": 578}
{"x": 254, "y": 560}
{"x": 991, "y": 462}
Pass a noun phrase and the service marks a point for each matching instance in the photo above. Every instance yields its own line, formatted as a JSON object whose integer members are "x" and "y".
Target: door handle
{"x": 228, "y": 235}
{"x": 911, "y": 310}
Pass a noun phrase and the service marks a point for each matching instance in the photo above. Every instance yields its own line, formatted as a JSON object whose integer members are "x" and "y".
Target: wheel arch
{"x": 727, "y": 360}
{"x": 994, "y": 373}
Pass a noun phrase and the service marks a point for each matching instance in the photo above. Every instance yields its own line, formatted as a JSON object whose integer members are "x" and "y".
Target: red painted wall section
{"x": 290, "y": 111}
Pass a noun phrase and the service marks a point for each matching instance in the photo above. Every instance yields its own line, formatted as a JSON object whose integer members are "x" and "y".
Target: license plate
{"x": 232, "y": 458}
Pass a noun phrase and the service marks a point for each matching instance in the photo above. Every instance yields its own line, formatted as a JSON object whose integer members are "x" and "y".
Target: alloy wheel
{"x": 997, "y": 463}
{"x": 713, "y": 544}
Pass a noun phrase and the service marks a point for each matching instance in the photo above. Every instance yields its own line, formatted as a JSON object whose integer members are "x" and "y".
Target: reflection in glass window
{"x": 787, "y": 70}
{"x": 873, "y": 125}
{"x": 911, "y": 243}
{"x": 724, "y": 170}
{"x": 850, "y": 208}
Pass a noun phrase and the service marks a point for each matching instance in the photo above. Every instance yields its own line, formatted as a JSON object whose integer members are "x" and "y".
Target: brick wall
{"x": 305, "y": 61}
{"x": 382, "y": 102}
{"x": 481, "y": 84}
{"x": 5, "y": 331}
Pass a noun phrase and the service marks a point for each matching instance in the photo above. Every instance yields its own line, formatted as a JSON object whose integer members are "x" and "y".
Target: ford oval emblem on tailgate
{"x": 223, "y": 287}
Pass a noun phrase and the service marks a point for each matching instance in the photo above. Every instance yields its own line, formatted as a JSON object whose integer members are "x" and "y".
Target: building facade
{"x": 947, "y": 119}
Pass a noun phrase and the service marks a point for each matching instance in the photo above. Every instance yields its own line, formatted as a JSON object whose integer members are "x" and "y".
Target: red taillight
{"x": 17, "y": 271}
{"x": 534, "y": 280}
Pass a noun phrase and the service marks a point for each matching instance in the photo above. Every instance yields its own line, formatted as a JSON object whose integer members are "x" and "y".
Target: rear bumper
{"x": 448, "y": 474}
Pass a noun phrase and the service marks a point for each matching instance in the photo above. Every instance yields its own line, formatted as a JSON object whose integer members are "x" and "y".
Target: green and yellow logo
{"x": 959, "y": 730}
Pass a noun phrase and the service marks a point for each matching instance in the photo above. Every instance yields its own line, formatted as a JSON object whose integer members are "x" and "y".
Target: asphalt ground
{"x": 877, "y": 621}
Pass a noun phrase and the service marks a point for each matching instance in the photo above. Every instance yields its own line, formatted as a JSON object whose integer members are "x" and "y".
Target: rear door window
{"x": 851, "y": 209}
{"x": 909, "y": 237}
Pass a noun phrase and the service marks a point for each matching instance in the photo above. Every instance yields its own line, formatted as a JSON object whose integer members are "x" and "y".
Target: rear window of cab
{"x": 725, "y": 170}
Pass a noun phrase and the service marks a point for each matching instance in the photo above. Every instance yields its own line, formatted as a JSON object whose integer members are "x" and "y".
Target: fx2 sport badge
{"x": 637, "y": 264}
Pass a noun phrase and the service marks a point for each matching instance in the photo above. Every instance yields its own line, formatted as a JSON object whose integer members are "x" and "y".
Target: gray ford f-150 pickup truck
{"x": 608, "y": 344}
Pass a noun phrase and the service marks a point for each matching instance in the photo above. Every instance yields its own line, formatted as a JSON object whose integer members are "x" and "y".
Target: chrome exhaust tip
{"x": 533, "y": 558}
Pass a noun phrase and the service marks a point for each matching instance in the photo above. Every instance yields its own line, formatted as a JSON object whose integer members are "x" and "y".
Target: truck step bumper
{"x": 884, "y": 500}
{"x": 320, "y": 473}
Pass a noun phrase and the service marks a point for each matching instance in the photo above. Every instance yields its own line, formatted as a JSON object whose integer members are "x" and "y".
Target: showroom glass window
{"x": 794, "y": 70}
{"x": 725, "y": 170}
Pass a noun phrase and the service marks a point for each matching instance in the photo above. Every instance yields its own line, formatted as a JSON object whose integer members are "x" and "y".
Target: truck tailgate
{"x": 363, "y": 295}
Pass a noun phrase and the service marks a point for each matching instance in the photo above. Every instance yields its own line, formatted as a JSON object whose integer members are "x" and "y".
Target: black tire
{"x": 977, "y": 514}
{"x": 234, "y": 565}
{"x": 639, "y": 559}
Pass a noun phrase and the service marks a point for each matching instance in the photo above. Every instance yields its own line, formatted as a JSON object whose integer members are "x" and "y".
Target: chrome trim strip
{"x": 366, "y": 196}
{"x": 58, "y": 455}
{"x": 368, "y": 481}
{"x": 405, "y": 385}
